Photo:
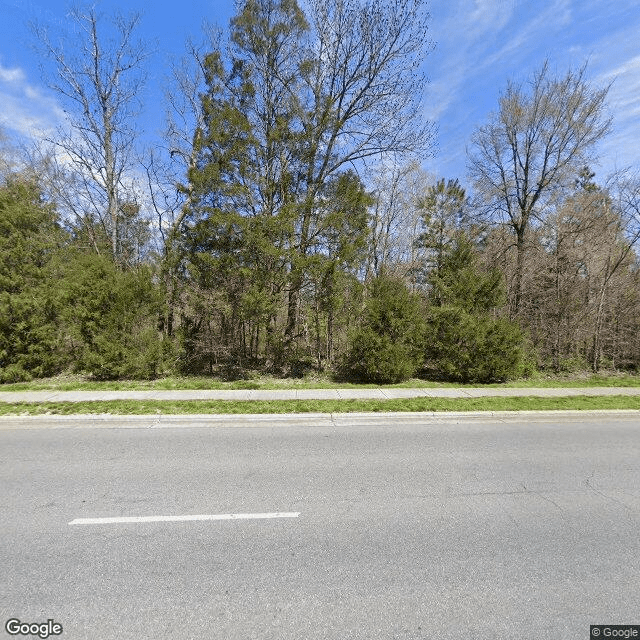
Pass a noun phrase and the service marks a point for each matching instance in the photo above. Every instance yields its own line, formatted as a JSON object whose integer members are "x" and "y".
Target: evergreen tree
{"x": 30, "y": 238}
{"x": 442, "y": 210}
{"x": 110, "y": 318}
{"x": 466, "y": 340}
{"x": 337, "y": 254}
{"x": 388, "y": 346}
{"x": 459, "y": 281}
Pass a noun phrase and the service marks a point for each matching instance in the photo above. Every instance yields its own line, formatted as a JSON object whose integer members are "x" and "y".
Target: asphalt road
{"x": 446, "y": 528}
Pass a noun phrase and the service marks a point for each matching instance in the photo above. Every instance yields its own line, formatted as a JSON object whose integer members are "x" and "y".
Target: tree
{"x": 388, "y": 346}
{"x": 460, "y": 282}
{"x": 584, "y": 276}
{"x": 109, "y": 317}
{"x": 169, "y": 163}
{"x": 617, "y": 231}
{"x": 442, "y": 209}
{"x": 101, "y": 87}
{"x": 338, "y": 252}
{"x": 363, "y": 92}
{"x": 395, "y": 220}
{"x": 294, "y": 102}
{"x": 30, "y": 239}
{"x": 466, "y": 339}
{"x": 531, "y": 149}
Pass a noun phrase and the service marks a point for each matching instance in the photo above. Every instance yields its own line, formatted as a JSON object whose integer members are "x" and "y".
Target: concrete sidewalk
{"x": 310, "y": 394}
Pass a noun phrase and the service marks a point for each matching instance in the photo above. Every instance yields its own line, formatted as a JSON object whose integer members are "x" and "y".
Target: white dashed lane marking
{"x": 188, "y": 518}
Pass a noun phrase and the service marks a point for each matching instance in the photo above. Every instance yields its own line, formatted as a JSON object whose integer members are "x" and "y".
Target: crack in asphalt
{"x": 605, "y": 496}
{"x": 537, "y": 493}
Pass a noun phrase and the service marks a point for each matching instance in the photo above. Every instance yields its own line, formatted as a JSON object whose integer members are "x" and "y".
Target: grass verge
{"x": 137, "y": 407}
{"x": 79, "y": 383}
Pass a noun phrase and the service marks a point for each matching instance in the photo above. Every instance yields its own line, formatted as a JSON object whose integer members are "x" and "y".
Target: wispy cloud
{"x": 26, "y": 109}
{"x": 620, "y": 150}
{"x": 459, "y": 34}
{"x": 11, "y": 76}
{"x": 524, "y": 38}
{"x": 487, "y": 42}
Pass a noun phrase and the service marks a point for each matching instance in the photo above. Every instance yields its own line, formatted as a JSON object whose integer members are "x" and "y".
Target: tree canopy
{"x": 294, "y": 229}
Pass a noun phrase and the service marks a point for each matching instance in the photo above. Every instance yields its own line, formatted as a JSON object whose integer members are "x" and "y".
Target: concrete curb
{"x": 153, "y": 421}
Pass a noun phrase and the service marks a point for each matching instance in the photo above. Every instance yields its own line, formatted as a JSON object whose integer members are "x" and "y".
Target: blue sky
{"x": 480, "y": 44}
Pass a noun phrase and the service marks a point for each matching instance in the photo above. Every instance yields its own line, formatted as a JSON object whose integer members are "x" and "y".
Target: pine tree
{"x": 388, "y": 346}
{"x": 30, "y": 238}
{"x": 467, "y": 341}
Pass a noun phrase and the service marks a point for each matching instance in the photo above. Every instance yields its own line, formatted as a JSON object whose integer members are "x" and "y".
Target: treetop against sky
{"x": 479, "y": 45}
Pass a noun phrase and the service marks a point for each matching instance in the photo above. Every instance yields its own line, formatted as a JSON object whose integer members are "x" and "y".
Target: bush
{"x": 388, "y": 346}
{"x": 376, "y": 358}
{"x": 465, "y": 341}
{"x": 14, "y": 373}
{"x": 111, "y": 319}
{"x": 467, "y": 347}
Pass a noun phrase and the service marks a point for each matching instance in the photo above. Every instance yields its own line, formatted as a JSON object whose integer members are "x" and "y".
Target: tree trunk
{"x": 518, "y": 276}
{"x": 597, "y": 336}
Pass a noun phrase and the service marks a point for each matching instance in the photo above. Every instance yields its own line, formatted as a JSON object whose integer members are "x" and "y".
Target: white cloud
{"x": 631, "y": 66}
{"x": 620, "y": 150}
{"x": 487, "y": 16}
{"x": 532, "y": 33}
{"x": 487, "y": 42}
{"x": 26, "y": 109}
{"x": 460, "y": 33}
{"x": 477, "y": 37}
{"x": 11, "y": 75}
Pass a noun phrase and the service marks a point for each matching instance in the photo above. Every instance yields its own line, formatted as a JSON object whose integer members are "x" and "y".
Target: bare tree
{"x": 583, "y": 275}
{"x": 175, "y": 158}
{"x": 615, "y": 248}
{"x": 294, "y": 102}
{"x": 396, "y": 221}
{"x": 11, "y": 158}
{"x": 532, "y": 148}
{"x": 99, "y": 76}
{"x": 363, "y": 95}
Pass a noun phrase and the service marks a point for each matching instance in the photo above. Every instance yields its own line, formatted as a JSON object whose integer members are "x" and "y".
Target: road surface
{"x": 442, "y": 528}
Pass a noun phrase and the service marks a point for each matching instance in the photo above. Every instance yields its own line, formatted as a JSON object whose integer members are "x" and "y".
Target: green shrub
{"x": 466, "y": 342}
{"x": 468, "y": 347}
{"x": 388, "y": 345}
{"x": 377, "y": 358}
{"x": 111, "y": 319}
{"x": 14, "y": 373}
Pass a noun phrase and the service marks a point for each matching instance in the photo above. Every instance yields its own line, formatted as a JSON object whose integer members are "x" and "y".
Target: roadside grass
{"x": 155, "y": 407}
{"x": 81, "y": 383}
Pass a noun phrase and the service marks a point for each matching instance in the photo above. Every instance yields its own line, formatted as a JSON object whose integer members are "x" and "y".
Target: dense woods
{"x": 285, "y": 225}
